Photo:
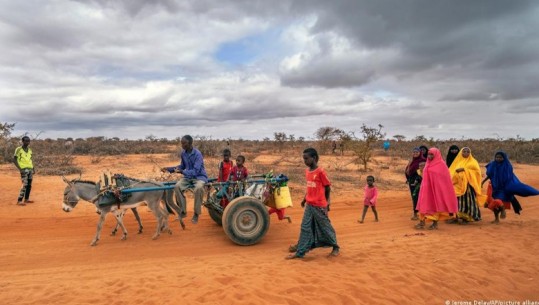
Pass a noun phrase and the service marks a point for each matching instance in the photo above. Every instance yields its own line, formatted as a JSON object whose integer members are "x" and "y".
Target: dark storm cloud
{"x": 491, "y": 38}
{"x": 328, "y": 74}
{"x": 137, "y": 67}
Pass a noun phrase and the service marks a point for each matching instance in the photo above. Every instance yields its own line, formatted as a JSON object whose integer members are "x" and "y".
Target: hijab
{"x": 470, "y": 176}
{"x": 505, "y": 183}
{"x": 413, "y": 165}
{"x": 436, "y": 193}
{"x": 426, "y": 151}
{"x": 451, "y": 156}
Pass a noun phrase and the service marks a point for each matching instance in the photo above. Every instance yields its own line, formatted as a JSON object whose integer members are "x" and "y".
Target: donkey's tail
{"x": 167, "y": 198}
{"x": 172, "y": 206}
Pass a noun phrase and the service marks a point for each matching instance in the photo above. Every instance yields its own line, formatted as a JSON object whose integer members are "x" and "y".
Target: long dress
{"x": 436, "y": 196}
{"x": 467, "y": 185}
{"x": 505, "y": 184}
{"x": 412, "y": 177}
{"x": 451, "y": 156}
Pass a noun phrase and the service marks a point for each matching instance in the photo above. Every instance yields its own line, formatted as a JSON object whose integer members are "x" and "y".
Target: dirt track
{"x": 46, "y": 257}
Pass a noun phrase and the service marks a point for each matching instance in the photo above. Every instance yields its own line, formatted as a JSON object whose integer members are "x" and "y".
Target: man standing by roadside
{"x": 23, "y": 161}
{"x": 194, "y": 176}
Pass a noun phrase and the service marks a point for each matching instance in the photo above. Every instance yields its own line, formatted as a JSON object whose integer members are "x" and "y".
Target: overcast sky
{"x": 246, "y": 69}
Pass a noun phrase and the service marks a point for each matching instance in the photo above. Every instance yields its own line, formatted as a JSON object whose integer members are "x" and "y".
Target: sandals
{"x": 420, "y": 225}
{"x": 433, "y": 226}
{"x": 452, "y": 221}
{"x": 334, "y": 253}
{"x": 293, "y": 248}
{"x": 293, "y": 256}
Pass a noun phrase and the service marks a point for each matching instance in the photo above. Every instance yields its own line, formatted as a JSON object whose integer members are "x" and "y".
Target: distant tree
{"x": 399, "y": 137}
{"x": 364, "y": 146}
{"x": 95, "y": 139}
{"x": 292, "y": 139}
{"x": 327, "y": 135}
{"x": 150, "y": 138}
{"x": 6, "y": 129}
{"x": 5, "y": 135}
{"x": 280, "y": 138}
{"x": 420, "y": 138}
{"x": 345, "y": 139}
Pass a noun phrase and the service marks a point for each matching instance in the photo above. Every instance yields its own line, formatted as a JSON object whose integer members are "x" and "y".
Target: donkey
{"x": 87, "y": 190}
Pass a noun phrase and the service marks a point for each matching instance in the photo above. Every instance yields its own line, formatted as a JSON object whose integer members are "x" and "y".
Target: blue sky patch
{"x": 248, "y": 49}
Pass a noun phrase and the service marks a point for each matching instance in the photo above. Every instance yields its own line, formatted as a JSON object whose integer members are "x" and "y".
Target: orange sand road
{"x": 46, "y": 257}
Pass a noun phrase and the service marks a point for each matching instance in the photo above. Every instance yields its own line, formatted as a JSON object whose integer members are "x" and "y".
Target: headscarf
{"x": 505, "y": 183}
{"x": 436, "y": 193}
{"x": 470, "y": 176}
{"x": 426, "y": 150}
{"x": 413, "y": 165}
{"x": 451, "y": 156}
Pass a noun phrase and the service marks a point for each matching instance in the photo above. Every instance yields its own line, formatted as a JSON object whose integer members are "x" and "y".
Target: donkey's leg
{"x": 120, "y": 222}
{"x": 137, "y": 217}
{"x": 164, "y": 222}
{"x": 161, "y": 225}
{"x": 113, "y": 233}
{"x": 99, "y": 227}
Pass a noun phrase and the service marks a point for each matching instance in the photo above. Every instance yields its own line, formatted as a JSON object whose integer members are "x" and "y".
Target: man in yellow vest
{"x": 23, "y": 161}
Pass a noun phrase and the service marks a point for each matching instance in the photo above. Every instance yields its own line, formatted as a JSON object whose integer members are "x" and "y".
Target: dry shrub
{"x": 96, "y": 159}
{"x": 483, "y": 150}
{"x": 51, "y": 165}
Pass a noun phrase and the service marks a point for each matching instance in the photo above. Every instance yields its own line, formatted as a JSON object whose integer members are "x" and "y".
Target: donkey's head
{"x": 71, "y": 197}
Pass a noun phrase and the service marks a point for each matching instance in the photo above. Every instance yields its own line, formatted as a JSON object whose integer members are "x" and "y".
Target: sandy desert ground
{"x": 46, "y": 257}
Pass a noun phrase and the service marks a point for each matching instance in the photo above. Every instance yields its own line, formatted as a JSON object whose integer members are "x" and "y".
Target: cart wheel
{"x": 245, "y": 220}
{"x": 215, "y": 216}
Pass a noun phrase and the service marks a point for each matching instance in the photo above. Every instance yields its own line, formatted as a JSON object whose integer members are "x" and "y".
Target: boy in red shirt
{"x": 225, "y": 168}
{"x": 316, "y": 229}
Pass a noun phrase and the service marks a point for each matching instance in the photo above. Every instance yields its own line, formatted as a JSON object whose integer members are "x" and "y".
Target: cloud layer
{"x": 245, "y": 69}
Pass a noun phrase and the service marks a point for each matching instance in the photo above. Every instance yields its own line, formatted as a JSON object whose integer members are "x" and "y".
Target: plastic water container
{"x": 282, "y": 197}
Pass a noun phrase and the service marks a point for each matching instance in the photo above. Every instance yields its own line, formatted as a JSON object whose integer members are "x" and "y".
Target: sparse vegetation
{"x": 56, "y": 156}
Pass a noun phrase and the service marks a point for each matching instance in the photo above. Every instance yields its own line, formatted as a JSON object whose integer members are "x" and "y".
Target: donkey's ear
{"x": 65, "y": 180}
{"x": 80, "y": 177}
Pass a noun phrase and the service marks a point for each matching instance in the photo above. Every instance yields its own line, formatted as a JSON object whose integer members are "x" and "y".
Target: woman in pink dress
{"x": 437, "y": 195}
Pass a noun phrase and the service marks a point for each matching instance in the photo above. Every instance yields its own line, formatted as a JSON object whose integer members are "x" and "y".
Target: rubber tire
{"x": 215, "y": 216}
{"x": 245, "y": 220}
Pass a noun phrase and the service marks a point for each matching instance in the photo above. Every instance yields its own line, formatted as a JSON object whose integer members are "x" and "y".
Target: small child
{"x": 417, "y": 186}
{"x": 280, "y": 214}
{"x": 225, "y": 168}
{"x": 371, "y": 195}
{"x": 496, "y": 205}
{"x": 239, "y": 172}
